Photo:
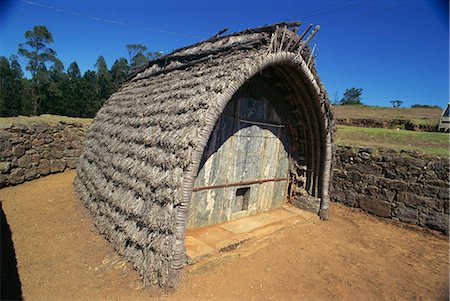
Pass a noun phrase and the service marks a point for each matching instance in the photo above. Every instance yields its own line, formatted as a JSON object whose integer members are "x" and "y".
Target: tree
{"x": 352, "y": 96}
{"x": 119, "y": 72}
{"x": 73, "y": 72}
{"x": 136, "y": 54}
{"x": 104, "y": 84}
{"x": 396, "y": 103}
{"x": 37, "y": 53}
{"x": 11, "y": 87}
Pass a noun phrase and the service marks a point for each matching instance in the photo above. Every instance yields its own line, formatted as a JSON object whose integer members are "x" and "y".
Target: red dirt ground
{"x": 351, "y": 257}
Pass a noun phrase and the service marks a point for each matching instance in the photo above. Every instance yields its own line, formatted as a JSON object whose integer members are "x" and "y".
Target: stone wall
{"x": 28, "y": 152}
{"x": 405, "y": 186}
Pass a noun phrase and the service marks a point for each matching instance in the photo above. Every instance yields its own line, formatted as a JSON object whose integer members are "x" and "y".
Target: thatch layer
{"x": 142, "y": 153}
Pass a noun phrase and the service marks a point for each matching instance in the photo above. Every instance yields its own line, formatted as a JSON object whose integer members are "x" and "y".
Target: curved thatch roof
{"x": 143, "y": 150}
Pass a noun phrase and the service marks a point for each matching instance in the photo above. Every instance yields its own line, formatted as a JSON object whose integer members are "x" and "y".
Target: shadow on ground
{"x": 10, "y": 281}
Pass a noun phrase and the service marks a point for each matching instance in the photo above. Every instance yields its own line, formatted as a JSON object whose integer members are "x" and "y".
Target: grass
{"x": 422, "y": 116}
{"x": 46, "y": 118}
{"x": 427, "y": 142}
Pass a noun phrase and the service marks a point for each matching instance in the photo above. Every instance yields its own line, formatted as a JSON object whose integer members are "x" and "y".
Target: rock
{"x": 414, "y": 200}
{"x": 370, "y": 179}
{"x": 407, "y": 215}
{"x": 72, "y": 162}
{"x": 5, "y": 144}
{"x": 44, "y": 167}
{"x": 390, "y": 174}
{"x": 19, "y": 128}
{"x": 5, "y": 135}
{"x": 375, "y": 206}
{"x": 58, "y": 154}
{"x": 438, "y": 221}
{"x": 3, "y": 181}
{"x": 37, "y": 142}
{"x": 4, "y": 167}
{"x": 27, "y": 144}
{"x": 24, "y": 161}
{"x": 16, "y": 176}
{"x": 47, "y": 154}
{"x": 372, "y": 190}
{"x": 388, "y": 194}
{"x": 70, "y": 152}
{"x": 444, "y": 193}
{"x": 31, "y": 174}
{"x": 354, "y": 176}
{"x": 364, "y": 155}
{"x": 35, "y": 159}
{"x": 40, "y": 128}
{"x": 48, "y": 139}
{"x": 18, "y": 150}
{"x": 57, "y": 165}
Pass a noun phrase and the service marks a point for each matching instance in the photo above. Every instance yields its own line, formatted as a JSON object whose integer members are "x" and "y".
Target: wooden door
{"x": 245, "y": 165}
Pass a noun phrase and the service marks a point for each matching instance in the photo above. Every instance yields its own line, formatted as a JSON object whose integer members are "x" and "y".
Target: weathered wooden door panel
{"x": 245, "y": 165}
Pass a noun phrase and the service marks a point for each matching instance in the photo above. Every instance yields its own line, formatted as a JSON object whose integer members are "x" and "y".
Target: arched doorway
{"x": 245, "y": 164}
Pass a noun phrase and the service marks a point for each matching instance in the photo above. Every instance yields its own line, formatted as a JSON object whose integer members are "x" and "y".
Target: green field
{"x": 427, "y": 142}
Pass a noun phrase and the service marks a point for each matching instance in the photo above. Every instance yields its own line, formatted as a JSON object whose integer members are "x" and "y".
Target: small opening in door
{"x": 241, "y": 200}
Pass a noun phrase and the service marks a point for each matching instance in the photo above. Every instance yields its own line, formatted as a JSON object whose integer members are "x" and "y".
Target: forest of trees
{"x": 52, "y": 89}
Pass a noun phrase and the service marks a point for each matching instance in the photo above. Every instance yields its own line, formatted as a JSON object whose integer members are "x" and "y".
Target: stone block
{"x": 370, "y": 179}
{"x": 438, "y": 221}
{"x": 24, "y": 161}
{"x": 57, "y": 165}
{"x": 58, "y": 154}
{"x": 408, "y": 215}
{"x": 371, "y": 169}
{"x": 390, "y": 174}
{"x": 5, "y": 145}
{"x": 44, "y": 167}
{"x": 372, "y": 190}
{"x": 46, "y": 154}
{"x": 72, "y": 162}
{"x": 4, "y": 167}
{"x": 414, "y": 200}
{"x": 48, "y": 139}
{"x": 35, "y": 159}
{"x": 18, "y": 150}
{"x": 375, "y": 206}
{"x": 354, "y": 176}
{"x": 4, "y": 136}
{"x": 392, "y": 184}
{"x": 70, "y": 152}
{"x": 3, "y": 180}
{"x": 16, "y": 176}
{"x": 31, "y": 173}
{"x": 444, "y": 193}
{"x": 388, "y": 194}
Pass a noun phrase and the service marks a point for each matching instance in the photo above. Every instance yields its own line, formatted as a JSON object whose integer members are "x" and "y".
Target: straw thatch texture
{"x": 142, "y": 152}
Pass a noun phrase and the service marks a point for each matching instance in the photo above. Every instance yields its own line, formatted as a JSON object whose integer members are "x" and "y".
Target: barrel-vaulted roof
{"x": 143, "y": 149}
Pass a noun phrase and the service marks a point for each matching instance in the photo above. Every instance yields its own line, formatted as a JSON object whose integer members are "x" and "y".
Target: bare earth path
{"x": 352, "y": 257}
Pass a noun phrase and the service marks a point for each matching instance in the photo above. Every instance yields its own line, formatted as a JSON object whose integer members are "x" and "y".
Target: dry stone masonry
{"x": 28, "y": 152}
{"x": 405, "y": 186}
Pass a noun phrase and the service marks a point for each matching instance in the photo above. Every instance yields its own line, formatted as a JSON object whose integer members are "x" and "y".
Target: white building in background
{"x": 444, "y": 121}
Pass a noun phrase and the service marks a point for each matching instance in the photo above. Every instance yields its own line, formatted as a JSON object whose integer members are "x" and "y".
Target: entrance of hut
{"x": 245, "y": 165}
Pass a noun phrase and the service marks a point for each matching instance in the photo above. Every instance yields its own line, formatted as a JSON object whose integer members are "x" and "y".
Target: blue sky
{"x": 393, "y": 49}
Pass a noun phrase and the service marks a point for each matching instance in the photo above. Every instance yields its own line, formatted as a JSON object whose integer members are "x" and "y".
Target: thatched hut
{"x": 225, "y": 128}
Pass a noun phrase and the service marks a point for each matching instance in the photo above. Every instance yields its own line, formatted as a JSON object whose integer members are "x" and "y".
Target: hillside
{"x": 424, "y": 119}
{"x": 427, "y": 142}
